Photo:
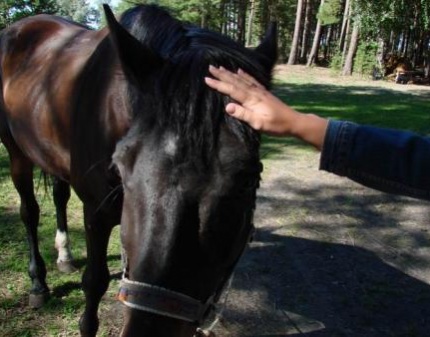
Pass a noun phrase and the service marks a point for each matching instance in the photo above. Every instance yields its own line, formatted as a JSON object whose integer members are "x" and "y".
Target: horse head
{"x": 189, "y": 172}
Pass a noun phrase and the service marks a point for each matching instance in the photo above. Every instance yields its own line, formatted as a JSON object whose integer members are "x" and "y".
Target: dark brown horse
{"x": 123, "y": 116}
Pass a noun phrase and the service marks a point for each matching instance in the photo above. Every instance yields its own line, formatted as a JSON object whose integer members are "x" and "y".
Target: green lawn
{"x": 60, "y": 315}
{"x": 359, "y": 103}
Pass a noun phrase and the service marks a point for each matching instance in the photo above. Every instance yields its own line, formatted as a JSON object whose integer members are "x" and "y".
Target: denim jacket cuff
{"x": 337, "y": 146}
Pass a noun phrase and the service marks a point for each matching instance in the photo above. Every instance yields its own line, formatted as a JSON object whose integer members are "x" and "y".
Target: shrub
{"x": 365, "y": 59}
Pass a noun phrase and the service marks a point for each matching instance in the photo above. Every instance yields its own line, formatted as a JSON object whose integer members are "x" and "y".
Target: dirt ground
{"x": 330, "y": 257}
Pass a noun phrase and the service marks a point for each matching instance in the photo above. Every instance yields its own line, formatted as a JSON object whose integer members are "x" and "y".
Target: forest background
{"x": 368, "y": 37}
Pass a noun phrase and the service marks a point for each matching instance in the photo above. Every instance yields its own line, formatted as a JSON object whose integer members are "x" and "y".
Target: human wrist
{"x": 310, "y": 128}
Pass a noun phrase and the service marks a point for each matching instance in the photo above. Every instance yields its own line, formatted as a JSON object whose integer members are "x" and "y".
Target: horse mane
{"x": 186, "y": 100}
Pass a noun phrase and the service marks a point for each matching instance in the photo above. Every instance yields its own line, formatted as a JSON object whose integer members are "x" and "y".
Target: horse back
{"x": 41, "y": 58}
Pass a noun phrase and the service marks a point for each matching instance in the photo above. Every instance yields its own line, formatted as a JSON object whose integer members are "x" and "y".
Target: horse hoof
{"x": 66, "y": 267}
{"x": 37, "y": 301}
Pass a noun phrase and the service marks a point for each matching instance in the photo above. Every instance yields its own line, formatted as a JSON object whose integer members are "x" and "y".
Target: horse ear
{"x": 136, "y": 58}
{"x": 267, "y": 51}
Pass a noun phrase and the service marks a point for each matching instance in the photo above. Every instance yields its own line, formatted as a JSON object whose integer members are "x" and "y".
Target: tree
{"x": 75, "y": 10}
{"x": 11, "y": 11}
{"x": 306, "y": 31}
{"x": 295, "y": 43}
{"x": 6, "y": 13}
{"x": 241, "y": 21}
{"x": 317, "y": 39}
{"x": 345, "y": 21}
{"x": 329, "y": 12}
{"x": 347, "y": 68}
{"x": 250, "y": 23}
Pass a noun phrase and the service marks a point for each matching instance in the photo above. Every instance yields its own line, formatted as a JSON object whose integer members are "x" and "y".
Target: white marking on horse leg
{"x": 63, "y": 246}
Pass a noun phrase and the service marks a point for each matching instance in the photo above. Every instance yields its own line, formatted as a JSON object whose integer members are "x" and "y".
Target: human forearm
{"x": 387, "y": 160}
{"x": 310, "y": 128}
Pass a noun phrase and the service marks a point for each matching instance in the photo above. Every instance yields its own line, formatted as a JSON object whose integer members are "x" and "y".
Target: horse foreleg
{"x": 95, "y": 280}
{"x": 22, "y": 176}
{"x": 61, "y": 193}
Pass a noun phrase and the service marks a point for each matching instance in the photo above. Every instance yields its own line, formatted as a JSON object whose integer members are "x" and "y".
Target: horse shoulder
{"x": 41, "y": 57}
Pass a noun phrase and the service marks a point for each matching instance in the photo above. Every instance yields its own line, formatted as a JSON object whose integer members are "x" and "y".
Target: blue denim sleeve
{"x": 388, "y": 160}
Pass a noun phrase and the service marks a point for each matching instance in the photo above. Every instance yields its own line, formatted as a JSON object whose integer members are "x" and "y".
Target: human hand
{"x": 256, "y": 105}
{"x": 262, "y": 110}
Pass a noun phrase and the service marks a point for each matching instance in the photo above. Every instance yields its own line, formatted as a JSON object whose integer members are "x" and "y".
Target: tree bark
{"x": 223, "y": 27}
{"x": 315, "y": 45}
{"x": 405, "y": 43}
{"x": 295, "y": 44}
{"x": 345, "y": 20}
{"x": 347, "y": 68}
{"x": 328, "y": 39}
{"x": 241, "y": 21}
{"x": 204, "y": 17}
{"x": 345, "y": 44}
{"x": 250, "y": 22}
{"x": 306, "y": 29}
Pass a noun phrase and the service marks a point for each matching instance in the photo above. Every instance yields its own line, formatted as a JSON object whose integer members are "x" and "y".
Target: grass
{"x": 59, "y": 317}
{"x": 358, "y": 103}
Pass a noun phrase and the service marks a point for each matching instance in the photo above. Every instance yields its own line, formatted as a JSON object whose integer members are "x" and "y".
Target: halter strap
{"x": 165, "y": 302}
{"x": 162, "y": 301}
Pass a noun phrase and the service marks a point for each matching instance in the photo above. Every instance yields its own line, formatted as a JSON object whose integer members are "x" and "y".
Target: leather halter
{"x": 165, "y": 302}
{"x": 162, "y": 301}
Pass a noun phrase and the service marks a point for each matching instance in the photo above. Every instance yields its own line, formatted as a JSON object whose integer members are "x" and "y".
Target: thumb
{"x": 239, "y": 112}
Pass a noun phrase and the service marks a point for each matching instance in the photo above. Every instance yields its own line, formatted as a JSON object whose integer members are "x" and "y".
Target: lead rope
{"x": 219, "y": 308}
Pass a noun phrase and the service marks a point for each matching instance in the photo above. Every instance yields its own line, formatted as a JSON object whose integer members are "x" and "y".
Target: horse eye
{"x": 125, "y": 158}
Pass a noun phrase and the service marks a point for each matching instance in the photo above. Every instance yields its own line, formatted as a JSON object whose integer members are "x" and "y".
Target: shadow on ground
{"x": 302, "y": 275}
{"x": 338, "y": 290}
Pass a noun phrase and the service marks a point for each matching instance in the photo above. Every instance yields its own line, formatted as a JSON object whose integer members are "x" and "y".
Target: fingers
{"x": 249, "y": 79}
{"x": 238, "y": 86}
{"x": 243, "y": 114}
{"x": 241, "y": 78}
{"x": 228, "y": 89}
{"x": 243, "y": 88}
{"x": 223, "y": 74}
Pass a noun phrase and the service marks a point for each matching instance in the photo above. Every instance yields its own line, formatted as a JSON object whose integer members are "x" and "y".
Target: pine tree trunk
{"x": 328, "y": 42}
{"x": 426, "y": 54}
{"x": 347, "y": 68}
{"x": 306, "y": 29}
{"x": 344, "y": 29}
{"x": 405, "y": 44}
{"x": 345, "y": 43}
{"x": 204, "y": 18}
{"x": 250, "y": 22}
{"x": 315, "y": 45}
{"x": 223, "y": 28}
{"x": 391, "y": 41}
{"x": 295, "y": 44}
{"x": 241, "y": 21}
{"x": 264, "y": 12}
